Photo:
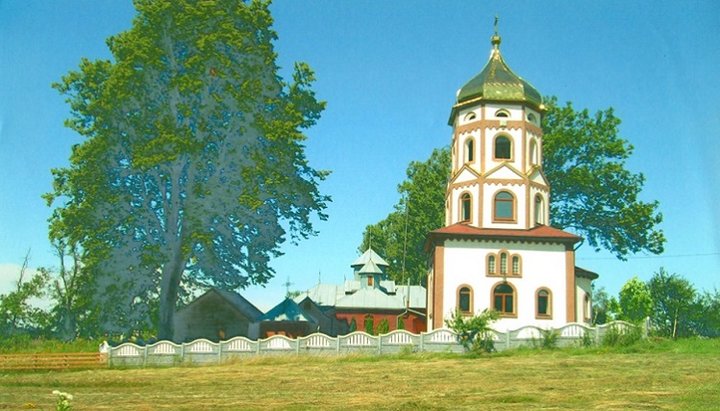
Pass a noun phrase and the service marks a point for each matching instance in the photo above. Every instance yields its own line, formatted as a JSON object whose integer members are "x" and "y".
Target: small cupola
{"x": 369, "y": 269}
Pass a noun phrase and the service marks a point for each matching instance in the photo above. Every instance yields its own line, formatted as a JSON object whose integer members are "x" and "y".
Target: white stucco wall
{"x": 543, "y": 265}
{"x": 584, "y": 287}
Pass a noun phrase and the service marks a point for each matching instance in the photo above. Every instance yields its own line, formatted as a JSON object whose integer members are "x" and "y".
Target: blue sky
{"x": 389, "y": 72}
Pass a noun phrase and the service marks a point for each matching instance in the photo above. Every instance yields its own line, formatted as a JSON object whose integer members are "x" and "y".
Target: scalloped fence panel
{"x": 440, "y": 340}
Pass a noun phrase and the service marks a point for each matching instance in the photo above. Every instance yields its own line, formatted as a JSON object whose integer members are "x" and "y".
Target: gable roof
{"x": 369, "y": 255}
{"x": 287, "y": 310}
{"x": 539, "y": 233}
{"x": 235, "y": 300}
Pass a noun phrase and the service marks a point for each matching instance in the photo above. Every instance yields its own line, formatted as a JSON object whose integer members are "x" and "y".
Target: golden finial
{"x": 495, "y": 39}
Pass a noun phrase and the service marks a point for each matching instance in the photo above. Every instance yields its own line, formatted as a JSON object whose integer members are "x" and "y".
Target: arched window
{"x": 543, "y": 303}
{"x": 532, "y": 118}
{"x": 504, "y": 206}
{"x": 470, "y": 116}
{"x": 539, "y": 210}
{"x": 465, "y": 299}
{"x": 491, "y": 264}
{"x": 504, "y": 299}
{"x": 516, "y": 265}
{"x": 503, "y": 148}
{"x": 469, "y": 150}
{"x": 502, "y": 113}
{"x": 533, "y": 153}
{"x": 465, "y": 207}
{"x": 503, "y": 263}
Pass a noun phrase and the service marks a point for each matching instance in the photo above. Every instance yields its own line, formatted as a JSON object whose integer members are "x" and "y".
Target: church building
{"x": 497, "y": 249}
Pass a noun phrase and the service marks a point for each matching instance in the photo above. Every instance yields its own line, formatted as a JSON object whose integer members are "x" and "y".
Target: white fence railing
{"x": 441, "y": 340}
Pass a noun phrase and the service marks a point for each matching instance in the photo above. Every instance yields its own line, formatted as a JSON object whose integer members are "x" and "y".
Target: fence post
{"x": 145, "y": 354}
{"x": 507, "y": 339}
{"x": 379, "y": 344}
{"x": 422, "y": 342}
{"x": 337, "y": 341}
{"x": 182, "y": 352}
{"x": 220, "y": 351}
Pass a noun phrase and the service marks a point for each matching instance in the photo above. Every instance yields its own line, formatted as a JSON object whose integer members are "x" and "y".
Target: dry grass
{"x": 670, "y": 379}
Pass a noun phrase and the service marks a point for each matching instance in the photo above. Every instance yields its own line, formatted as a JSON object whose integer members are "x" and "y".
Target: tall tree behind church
{"x": 592, "y": 193}
{"x": 193, "y": 164}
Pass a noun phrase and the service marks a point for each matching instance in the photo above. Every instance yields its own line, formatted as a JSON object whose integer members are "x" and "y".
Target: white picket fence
{"x": 441, "y": 340}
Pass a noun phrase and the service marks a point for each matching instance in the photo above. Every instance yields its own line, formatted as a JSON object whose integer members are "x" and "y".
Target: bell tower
{"x": 496, "y": 179}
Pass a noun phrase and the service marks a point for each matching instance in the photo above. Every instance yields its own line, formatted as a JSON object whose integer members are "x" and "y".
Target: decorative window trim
{"x": 469, "y": 150}
{"x": 502, "y": 113}
{"x": 470, "y": 299}
{"x": 532, "y": 118}
{"x": 495, "y": 141}
{"x": 539, "y": 210}
{"x": 498, "y": 272}
{"x": 491, "y": 268}
{"x": 461, "y": 216}
{"x": 470, "y": 116}
{"x": 505, "y": 314}
{"x": 513, "y": 219}
{"x": 549, "y": 314}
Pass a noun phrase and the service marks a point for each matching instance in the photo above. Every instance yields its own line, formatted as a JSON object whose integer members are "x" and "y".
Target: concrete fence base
{"x": 203, "y": 351}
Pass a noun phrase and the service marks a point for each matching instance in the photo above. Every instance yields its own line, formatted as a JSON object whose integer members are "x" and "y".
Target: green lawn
{"x": 651, "y": 375}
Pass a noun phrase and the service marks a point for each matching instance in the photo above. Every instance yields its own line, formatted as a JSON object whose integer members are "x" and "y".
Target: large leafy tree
{"x": 192, "y": 170}
{"x": 636, "y": 304}
{"x": 593, "y": 194}
{"x": 401, "y": 235}
{"x": 675, "y": 304}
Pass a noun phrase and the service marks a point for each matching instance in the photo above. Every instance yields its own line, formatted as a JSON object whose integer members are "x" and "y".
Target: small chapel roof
{"x": 370, "y": 268}
{"x": 539, "y": 233}
{"x": 287, "y": 310}
{"x": 497, "y": 82}
{"x": 367, "y": 256}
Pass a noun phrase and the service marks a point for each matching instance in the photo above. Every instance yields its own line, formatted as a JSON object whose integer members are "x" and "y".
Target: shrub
{"x": 383, "y": 327}
{"x": 353, "y": 326}
{"x": 549, "y": 339}
{"x": 587, "y": 339}
{"x": 473, "y": 332}
{"x": 615, "y": 337}
{"x": 370, "y": 325}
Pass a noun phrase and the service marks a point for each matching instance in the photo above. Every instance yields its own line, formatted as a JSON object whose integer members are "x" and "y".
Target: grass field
{"x": 651, "y": 375}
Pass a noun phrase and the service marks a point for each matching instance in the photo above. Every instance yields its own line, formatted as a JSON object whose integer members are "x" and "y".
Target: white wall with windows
{"x": 542, "y": 267}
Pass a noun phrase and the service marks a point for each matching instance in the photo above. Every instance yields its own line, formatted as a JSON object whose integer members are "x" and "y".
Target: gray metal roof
{"x": 351, "y": 295}
{"x": 288, "y": 310}
{"x": 370, "y": 268}
{"x": 369, "y": 255}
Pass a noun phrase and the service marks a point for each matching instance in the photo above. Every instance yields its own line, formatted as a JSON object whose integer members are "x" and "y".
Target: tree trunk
{"x": 169, "y": 286}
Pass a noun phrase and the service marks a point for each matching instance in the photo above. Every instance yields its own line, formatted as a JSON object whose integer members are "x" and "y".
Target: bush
{"x": 473, "y": 332}
{"x": 383, "y": 327}
{"x": 615, "y": 337}
{"x": 549, "y": 339}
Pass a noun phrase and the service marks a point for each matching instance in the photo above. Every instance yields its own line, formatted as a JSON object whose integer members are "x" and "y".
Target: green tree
{"x": 593, "y": 194}
{"x": 636, "y": 304}
{"x": 708, "y": 318}
{"x": 675, "y": 306}
{"x": 606, "y": 308}
{"x": 193, "y": 169}
{"x": 400, "y": 237}
{"x": 18, "y": 315}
